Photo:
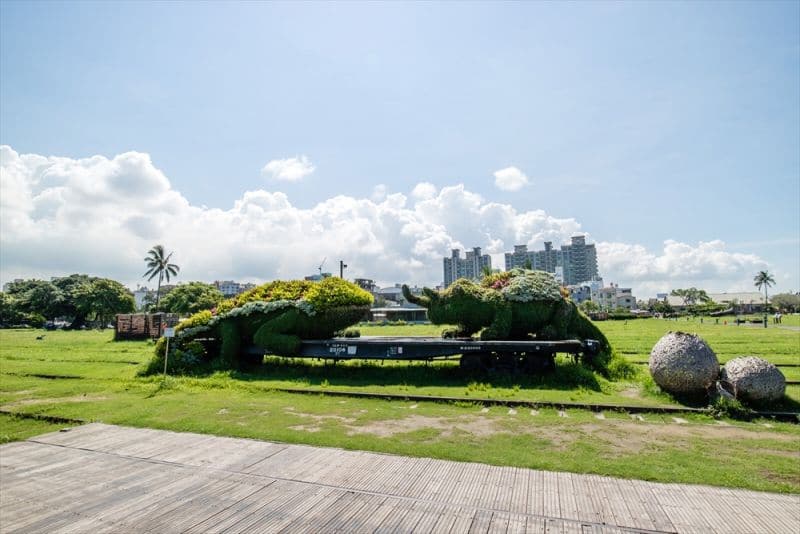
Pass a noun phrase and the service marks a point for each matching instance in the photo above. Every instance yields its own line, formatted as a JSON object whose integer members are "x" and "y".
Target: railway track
{"x": 792, "y": 417}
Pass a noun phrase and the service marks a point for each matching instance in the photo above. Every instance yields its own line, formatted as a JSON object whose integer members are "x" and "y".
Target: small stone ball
{"x": 683, "y": 363}
{"x": 754, "y": 379}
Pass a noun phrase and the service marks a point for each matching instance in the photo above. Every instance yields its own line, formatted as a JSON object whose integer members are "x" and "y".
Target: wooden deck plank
{"x": 431, "y": 514}
{"x": 394, "y": 519}
{"x": 356, "y": 521}
{"x": 499, "y": 523}
{"x": 534, "y": 525}
{"x": 370, "y": 522}
{"x": 481, "y": 522}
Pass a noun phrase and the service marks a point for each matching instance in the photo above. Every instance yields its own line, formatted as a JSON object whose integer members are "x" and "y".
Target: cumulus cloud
{"x": 100, "y": 216}
{"x": 510, "y": 179}
{"x": 424, "y": 191}
{"x": 289, "y": 169}
{"x": 379, "y": 192}
{"x": 706, "y": 264}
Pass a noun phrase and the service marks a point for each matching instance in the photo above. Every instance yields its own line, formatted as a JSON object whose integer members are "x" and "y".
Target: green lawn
{"x": 85, "y": 375}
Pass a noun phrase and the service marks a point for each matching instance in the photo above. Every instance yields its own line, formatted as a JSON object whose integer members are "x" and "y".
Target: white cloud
{"x": 379, "y": 192}
{"x": 289, "y": 169}
{"x": 93, "y": 215}
{"x": 510, "y": 179}
{"x": 707, "y": 265}
{"x": 424, "y": 191}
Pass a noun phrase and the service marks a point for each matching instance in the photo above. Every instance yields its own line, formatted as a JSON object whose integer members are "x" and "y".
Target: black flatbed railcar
{"x": 527, "y": 355}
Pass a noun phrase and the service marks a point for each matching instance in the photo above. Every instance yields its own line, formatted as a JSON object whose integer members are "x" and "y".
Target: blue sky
{"x": 642, "y": 123}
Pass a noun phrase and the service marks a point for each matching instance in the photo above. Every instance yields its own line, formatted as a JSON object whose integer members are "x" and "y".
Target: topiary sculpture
{"x": 683, "y": 364}
{"x": 754, "y": 379}
{"x": 275, "y": 316}
{"x": 517, "y": 304}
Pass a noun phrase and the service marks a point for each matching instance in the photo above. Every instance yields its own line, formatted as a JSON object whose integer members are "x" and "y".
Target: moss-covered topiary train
{"x": 517, "y": 305}
{"x": 275, "y": 316}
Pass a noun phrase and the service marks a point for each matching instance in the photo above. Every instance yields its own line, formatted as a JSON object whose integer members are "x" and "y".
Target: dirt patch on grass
{"x": 317, "y": 421}
{"x": 616, "y": 437}
{"x": 786, "y": 454}
{"x": 476, "y": 426}
{"x": 623, "y": 437}
{"x": 74, "y": 398}
{"x": 631, "y": 393}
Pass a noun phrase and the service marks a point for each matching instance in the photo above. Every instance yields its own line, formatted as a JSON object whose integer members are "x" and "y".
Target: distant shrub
{"x": 621, "y": 316}
{"x": 351, "y": 332}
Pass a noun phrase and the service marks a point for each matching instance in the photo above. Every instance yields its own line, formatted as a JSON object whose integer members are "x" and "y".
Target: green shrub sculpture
{"x": 275, "y": 316}
{"x": 516, "y": 305}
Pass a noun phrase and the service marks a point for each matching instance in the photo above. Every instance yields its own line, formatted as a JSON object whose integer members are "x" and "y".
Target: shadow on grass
{"x": 566, "y": 376}
{"x": 785, "y": 404}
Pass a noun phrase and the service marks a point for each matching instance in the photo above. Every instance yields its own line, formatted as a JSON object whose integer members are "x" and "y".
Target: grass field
{"x": 85, "y": 375}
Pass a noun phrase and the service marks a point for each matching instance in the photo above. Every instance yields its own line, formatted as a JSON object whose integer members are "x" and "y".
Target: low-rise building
{"x": 580, "y": 293}
{"x": 614, "y": 297}
{"x": 142, "y": 295}
{"x": 229, "y": 288}
{"x": 317, "y": 277}
{"x": 741, "y": 302}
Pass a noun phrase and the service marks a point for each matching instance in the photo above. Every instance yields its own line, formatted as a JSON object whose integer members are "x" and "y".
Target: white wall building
{"x": 229, "y": 288}
{"x": 613, "y": 297}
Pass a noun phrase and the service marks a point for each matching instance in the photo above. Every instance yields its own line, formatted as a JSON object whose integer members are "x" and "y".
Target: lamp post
{"x": 342, "y": 267}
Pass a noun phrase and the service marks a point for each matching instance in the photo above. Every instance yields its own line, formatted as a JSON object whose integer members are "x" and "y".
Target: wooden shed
{"x": 143, "y": 325}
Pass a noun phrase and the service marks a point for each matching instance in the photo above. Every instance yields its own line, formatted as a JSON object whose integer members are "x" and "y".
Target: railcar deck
{"x": 474, "y": 353}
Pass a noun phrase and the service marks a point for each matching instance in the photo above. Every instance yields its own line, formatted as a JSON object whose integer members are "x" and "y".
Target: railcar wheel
{"x": 477, "y": 361}
{"x": 540, "y": 363}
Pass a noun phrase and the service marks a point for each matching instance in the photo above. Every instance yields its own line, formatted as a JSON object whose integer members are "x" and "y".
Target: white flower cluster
{"x": 530, "y": 287}
{"x": 246, "y": 310}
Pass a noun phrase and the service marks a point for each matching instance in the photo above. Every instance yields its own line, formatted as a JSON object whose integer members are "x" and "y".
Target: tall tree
{"x": 691, "y": 295}
{"x": 191, "y": 298}
{"x": 37, "y": 296}
{"x": 764, "y": 280}
{"x": 158, "y": 265}
{"x": 76, "y": 303}
{"x": 108, "y": 298}
{"x": 786, "y": 301}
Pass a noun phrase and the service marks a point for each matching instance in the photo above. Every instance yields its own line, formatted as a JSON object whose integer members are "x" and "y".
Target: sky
{"x": 257, "y": 140}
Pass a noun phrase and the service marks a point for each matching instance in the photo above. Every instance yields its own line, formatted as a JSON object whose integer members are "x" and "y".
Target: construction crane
{"x": 321, "y": 264}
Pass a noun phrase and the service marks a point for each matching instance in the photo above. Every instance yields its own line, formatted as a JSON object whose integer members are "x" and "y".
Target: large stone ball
{"x": 754, "y": 379}
{"x": 683, "y": 363}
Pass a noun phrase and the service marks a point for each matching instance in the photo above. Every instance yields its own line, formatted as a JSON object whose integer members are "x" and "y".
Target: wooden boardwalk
{"x": 100, "y": 478}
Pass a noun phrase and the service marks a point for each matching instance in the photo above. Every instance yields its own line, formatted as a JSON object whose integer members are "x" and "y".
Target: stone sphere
{"x": 683, "y": 363}
{"x": 754, "y": 379}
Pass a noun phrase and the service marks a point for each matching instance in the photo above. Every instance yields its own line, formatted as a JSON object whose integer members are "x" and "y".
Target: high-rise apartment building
{"x": 577, "y": 261}
{"x": 471, "y": 267}
{"x": 539, "y": 260}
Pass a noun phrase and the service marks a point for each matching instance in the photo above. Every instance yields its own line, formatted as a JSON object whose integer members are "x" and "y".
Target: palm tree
{"x": 158, "y": 265}
{"x": 765, "y": 280}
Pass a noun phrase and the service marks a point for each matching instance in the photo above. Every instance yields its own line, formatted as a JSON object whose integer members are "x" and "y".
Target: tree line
{"x": 79, "y": 299}
{"x": 84, "y": 301}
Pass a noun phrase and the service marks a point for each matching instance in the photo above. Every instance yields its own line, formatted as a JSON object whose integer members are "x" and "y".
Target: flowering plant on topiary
{"x": 496, "y": 280}
{"x": 529, "y": 286}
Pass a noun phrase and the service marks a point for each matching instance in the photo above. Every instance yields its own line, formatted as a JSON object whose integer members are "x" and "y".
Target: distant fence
{"x": 143, "y": 325}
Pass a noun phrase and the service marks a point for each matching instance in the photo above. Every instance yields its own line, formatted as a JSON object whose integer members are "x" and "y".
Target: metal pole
{"x": 166, "y": 357}
{"x": 342, "y": 267}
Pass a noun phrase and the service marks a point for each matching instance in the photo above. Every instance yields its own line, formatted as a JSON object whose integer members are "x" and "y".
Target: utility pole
{"x": 342, "y": 267}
